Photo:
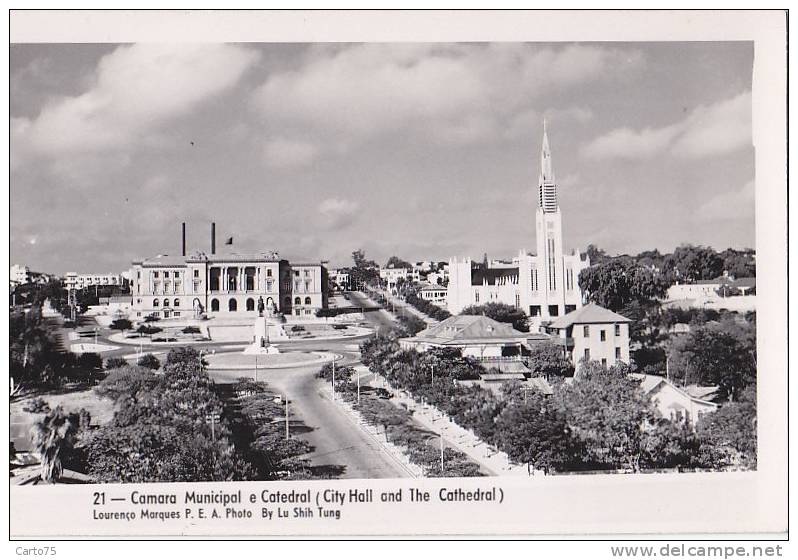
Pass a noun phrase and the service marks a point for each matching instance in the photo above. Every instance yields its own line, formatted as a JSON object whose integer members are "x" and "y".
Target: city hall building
{"x": 544, "y": 285}
{"x": 226, "y": 285}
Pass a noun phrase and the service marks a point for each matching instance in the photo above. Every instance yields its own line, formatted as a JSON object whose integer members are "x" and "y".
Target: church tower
{"x": 549, "y": 265}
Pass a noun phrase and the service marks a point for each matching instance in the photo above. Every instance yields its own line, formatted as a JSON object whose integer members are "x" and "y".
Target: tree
{"x": 500, "y": 312}
{"x": 149, "y": 361}
{"x": 148, "y": 329}
{"x": 54, "y": 437}
{"x": 607, "y": 411}
{"x": 537, "y": 434}
{"x": 192, "y": 330}
{"x": 722, "y": 354}
{"x": 739, "y": 264}
{"x": 728, "y": 435}
{"x": 547, "y": 360}
{"x": 113, "y": 363}
{"x": 396, "y": 262}
{"x": 617, "y": 283}
{"x": 596, "y": 255}
{"x": 365, "y": 272}
{"x": 121, "y": 324}
{"x": 342, "y": 373}
{"x": 693, "y": 262}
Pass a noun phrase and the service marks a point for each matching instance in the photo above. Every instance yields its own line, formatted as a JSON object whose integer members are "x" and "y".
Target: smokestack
{"x": 213, "y": 238}
{"x": 184, "y": 239}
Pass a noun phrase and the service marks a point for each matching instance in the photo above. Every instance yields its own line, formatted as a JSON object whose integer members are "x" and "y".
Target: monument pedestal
{"x": 266, "y": 331}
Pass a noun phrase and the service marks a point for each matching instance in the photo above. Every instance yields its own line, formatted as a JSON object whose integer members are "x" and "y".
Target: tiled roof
{"x": 469, "y": 328}
{"x": 590, "y": 313}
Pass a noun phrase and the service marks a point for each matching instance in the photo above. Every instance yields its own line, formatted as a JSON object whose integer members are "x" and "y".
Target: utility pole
{"x": 441, "y": 434}
{"x": 212, "y": 419}
{"x": 287, "y": 435}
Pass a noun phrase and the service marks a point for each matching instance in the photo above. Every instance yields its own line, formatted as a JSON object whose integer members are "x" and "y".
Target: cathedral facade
{"x": 544, "y": 285}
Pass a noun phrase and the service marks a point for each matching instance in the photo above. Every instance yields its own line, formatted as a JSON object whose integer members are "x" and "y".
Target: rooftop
{"x": 462, "y": 329}
{"x": 590, "y": 313}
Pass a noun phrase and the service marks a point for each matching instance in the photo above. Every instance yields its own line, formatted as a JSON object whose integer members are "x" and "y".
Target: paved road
{"x": 334, "y": 436}
{"x": 378, "y": 318}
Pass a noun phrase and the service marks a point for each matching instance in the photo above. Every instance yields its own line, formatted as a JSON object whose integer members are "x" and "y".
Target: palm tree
{"x": 54, "y": 437}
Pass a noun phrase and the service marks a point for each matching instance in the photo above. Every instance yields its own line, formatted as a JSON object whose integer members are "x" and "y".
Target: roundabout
{"x": 248, "y": 362}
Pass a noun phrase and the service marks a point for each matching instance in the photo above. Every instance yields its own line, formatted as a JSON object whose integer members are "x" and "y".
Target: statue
{"x": 268, "y": 327}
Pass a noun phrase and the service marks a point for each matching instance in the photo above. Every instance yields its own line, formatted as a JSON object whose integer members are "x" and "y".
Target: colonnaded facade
{"x": 226, "y": 285}
{"x": 544, "y": 285}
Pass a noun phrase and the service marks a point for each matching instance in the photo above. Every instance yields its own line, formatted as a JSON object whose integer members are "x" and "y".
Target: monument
{"x": 267, "y": 329}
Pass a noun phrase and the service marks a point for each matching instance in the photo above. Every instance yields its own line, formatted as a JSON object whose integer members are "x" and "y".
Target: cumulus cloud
{"x": 282, "y": 152}
{"x": 337, "y": 213}
{"x": 717, "y": 129}
{"x": 134, "y": 91}
{"x": 447, "y": 92}
{"x": 730, "y": 205}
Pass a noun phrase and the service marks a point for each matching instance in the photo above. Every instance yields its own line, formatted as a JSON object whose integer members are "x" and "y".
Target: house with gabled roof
{"x": 592, "y": 332}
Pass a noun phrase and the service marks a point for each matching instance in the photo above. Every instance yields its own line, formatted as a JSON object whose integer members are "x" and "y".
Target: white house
{"x": 671, "y": 401}
{"x": 593, "y": 333}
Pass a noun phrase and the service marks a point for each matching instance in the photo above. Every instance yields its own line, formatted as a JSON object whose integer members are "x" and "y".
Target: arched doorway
{"x": 250, "y": 304}
{"x": 232, "y": 305}
{"x": 214, "y": 304}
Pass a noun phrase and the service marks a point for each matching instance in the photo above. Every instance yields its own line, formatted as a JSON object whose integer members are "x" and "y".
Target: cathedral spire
{"x": 546, "y": 173}
{"x": 547, "y": 187}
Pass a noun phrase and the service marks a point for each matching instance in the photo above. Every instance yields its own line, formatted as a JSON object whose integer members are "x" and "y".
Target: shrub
{"x": 37, "y": 406}
{"x": 149, "y": 361}
{"x": 113, "y": 363}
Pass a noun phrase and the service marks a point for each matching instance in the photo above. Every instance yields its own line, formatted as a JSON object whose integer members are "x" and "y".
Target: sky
{"x": 424, "y": 151}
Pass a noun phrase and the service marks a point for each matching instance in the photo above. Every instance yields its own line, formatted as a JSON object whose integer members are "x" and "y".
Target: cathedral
{"x": 545, "y": 285}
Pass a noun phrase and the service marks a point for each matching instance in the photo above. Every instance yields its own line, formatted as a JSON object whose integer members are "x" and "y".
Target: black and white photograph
{"x": 521, "y": 261}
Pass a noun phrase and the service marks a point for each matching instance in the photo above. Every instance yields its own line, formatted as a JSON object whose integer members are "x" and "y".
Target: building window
{"x": 297, "y": 301}
{"x": 166, "y": 274}
{"x": 287, "y": 302}
{"x": 617, "y": 352}
{"x": 603, "y": 335}
{"x": 517, "y": 301}
{"x": 534, "y": 310}
{"x": 296, "y": 273}
{"x": 176, "y": 303}
{"x": 155, "y": 303}
{"x": 476, "y": 297}
{"x": 155, "y": 274}
{"x": 586, "y": 331}
{"x": 196, "y": 273}
{"x": 269, "y": 285}
{"x": 269, "y": 272}
{"x": 604, "y": 362}
{"x": 554, "y": 310}
{"x": 176, "y": 313}
{"x": 617, "y": 330}
{"x": 177, "y": 275}
{"x": 250, "y": 304}
{"x": 232, "y": 305}
{"x": 307, "y": 301}
{"x": 587, "y": 353}
{"x": 166, "y": 303}
{"x": 214, "y": 304}
{"x": 569, "y": 308}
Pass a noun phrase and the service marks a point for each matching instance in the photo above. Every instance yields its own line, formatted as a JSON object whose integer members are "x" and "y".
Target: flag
{"x": 229, "y": 241}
